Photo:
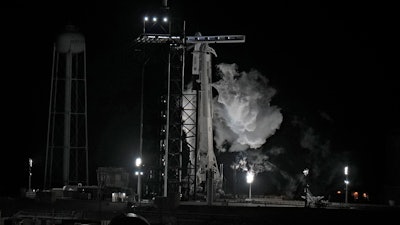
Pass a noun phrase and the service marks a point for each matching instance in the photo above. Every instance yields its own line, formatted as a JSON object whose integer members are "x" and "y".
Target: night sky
{"x": 331, "y": 63}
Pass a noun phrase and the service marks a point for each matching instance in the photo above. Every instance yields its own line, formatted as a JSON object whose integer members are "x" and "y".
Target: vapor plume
{"x": 243, "y": 115}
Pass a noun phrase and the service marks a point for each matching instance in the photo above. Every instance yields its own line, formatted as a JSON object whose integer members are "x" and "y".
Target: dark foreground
{"x": 237, "y": 215}
{"x": 73, "y": 212}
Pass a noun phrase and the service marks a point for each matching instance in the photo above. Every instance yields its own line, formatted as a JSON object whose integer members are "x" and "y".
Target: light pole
{"x": 139, "y": 173}
{"x": 249, "y": 180}
{"x": 346, "y": 182}
{"x": 145, "y": 19}
{"x": 305, "y": 172}
{"x": 30, "y": 175}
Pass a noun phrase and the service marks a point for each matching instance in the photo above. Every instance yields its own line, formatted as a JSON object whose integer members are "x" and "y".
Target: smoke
{"x": 257, "y": 162}
{"x": 244, "y": 119}
{"x": 254, "y": 161}
{"x": 243, "y": 116}
{"x": 314, "y": 140}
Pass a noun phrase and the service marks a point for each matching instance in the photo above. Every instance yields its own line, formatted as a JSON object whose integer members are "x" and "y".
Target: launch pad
{"x": 260, "y": 211}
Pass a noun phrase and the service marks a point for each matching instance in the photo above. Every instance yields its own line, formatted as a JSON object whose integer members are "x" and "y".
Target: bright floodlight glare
{"x": 146, "y": 18}
{"x": 165, "y": 19}
{"x": 136, "y": 173}
{"x": 138, "y": 161}
{"x": 154, "y": 19}
{"x": 346, "y": 181}
{"x": 346, "y": 170}
{"x": 305, "y": 171}
{"x": 250, "y": 177}
{"x": 30, "y": 162}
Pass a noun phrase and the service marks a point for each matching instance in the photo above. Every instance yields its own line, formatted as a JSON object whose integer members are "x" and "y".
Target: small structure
{"x": 113, "y": 183}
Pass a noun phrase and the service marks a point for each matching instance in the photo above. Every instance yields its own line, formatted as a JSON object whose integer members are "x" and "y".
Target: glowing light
{"x": 346, "y": 170}
{"x": 154, "y": 19}
{"x": 355, "y": 195}
{"x": 138, "y": 162}
{"x": 306, "y": 171}
{"x": 146, "y": 18}
{"x": 365, "y": 196}
{"x": 165, "y": 19}
{"x": 250, "y": 177}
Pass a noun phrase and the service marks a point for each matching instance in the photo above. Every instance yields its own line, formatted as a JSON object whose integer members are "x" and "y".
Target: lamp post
{"x": 30, "y": 175}
{"x": 306, "y": 172}
{"x": 139, "y": 173}
{"x": 346, "y": 182}
{"x": 145, "y": 19}
{"x": 249, "y": 180}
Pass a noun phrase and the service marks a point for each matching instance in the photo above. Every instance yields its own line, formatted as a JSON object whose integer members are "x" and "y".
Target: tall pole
{"x": 345, "y": 197}
{"x": 346, "y": 181}
{"x": 139, "y": 173}
{"x": 166, "y": 154}
{"x": 141, "y": 113}
{"x": 30, "y": 175}
{"x": 139, "y": 187}
{"x": 139, "y": 160}
{"x": 86, "y": 123}
{"x": 67, "y": 118}
{"x": 305, "y": 172}
{"x": 250, "y": 191}
{"x": 249, "y": 180}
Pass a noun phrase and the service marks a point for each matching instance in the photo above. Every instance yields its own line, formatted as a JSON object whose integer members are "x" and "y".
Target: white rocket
{"x": 207, "y": 170}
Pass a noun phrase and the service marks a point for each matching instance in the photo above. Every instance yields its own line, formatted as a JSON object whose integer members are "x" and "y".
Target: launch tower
{"x": 187, "y": 112}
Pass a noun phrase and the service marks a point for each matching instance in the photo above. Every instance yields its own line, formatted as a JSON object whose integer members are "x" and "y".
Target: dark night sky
{"x": 324, "y": 58}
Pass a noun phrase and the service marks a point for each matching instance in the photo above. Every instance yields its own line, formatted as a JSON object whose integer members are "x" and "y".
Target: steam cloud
{"x": 243, "y": 121}
{"x": 243, "y": 116}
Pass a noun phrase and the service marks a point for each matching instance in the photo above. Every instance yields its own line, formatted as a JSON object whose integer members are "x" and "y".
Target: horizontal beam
{"x": 216, "y": 39}
{"x": 160, "y": 38}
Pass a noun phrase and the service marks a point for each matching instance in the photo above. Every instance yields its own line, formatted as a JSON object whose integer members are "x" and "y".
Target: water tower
{"x": 67, "y": 143}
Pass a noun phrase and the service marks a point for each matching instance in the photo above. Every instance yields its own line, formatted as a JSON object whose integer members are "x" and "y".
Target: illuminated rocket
{"x": 207, "y": 170}
{"x": 202, "y": 61}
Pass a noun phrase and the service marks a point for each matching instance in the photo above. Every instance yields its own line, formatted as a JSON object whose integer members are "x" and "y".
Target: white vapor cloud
{"x": 243, "y": 115}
